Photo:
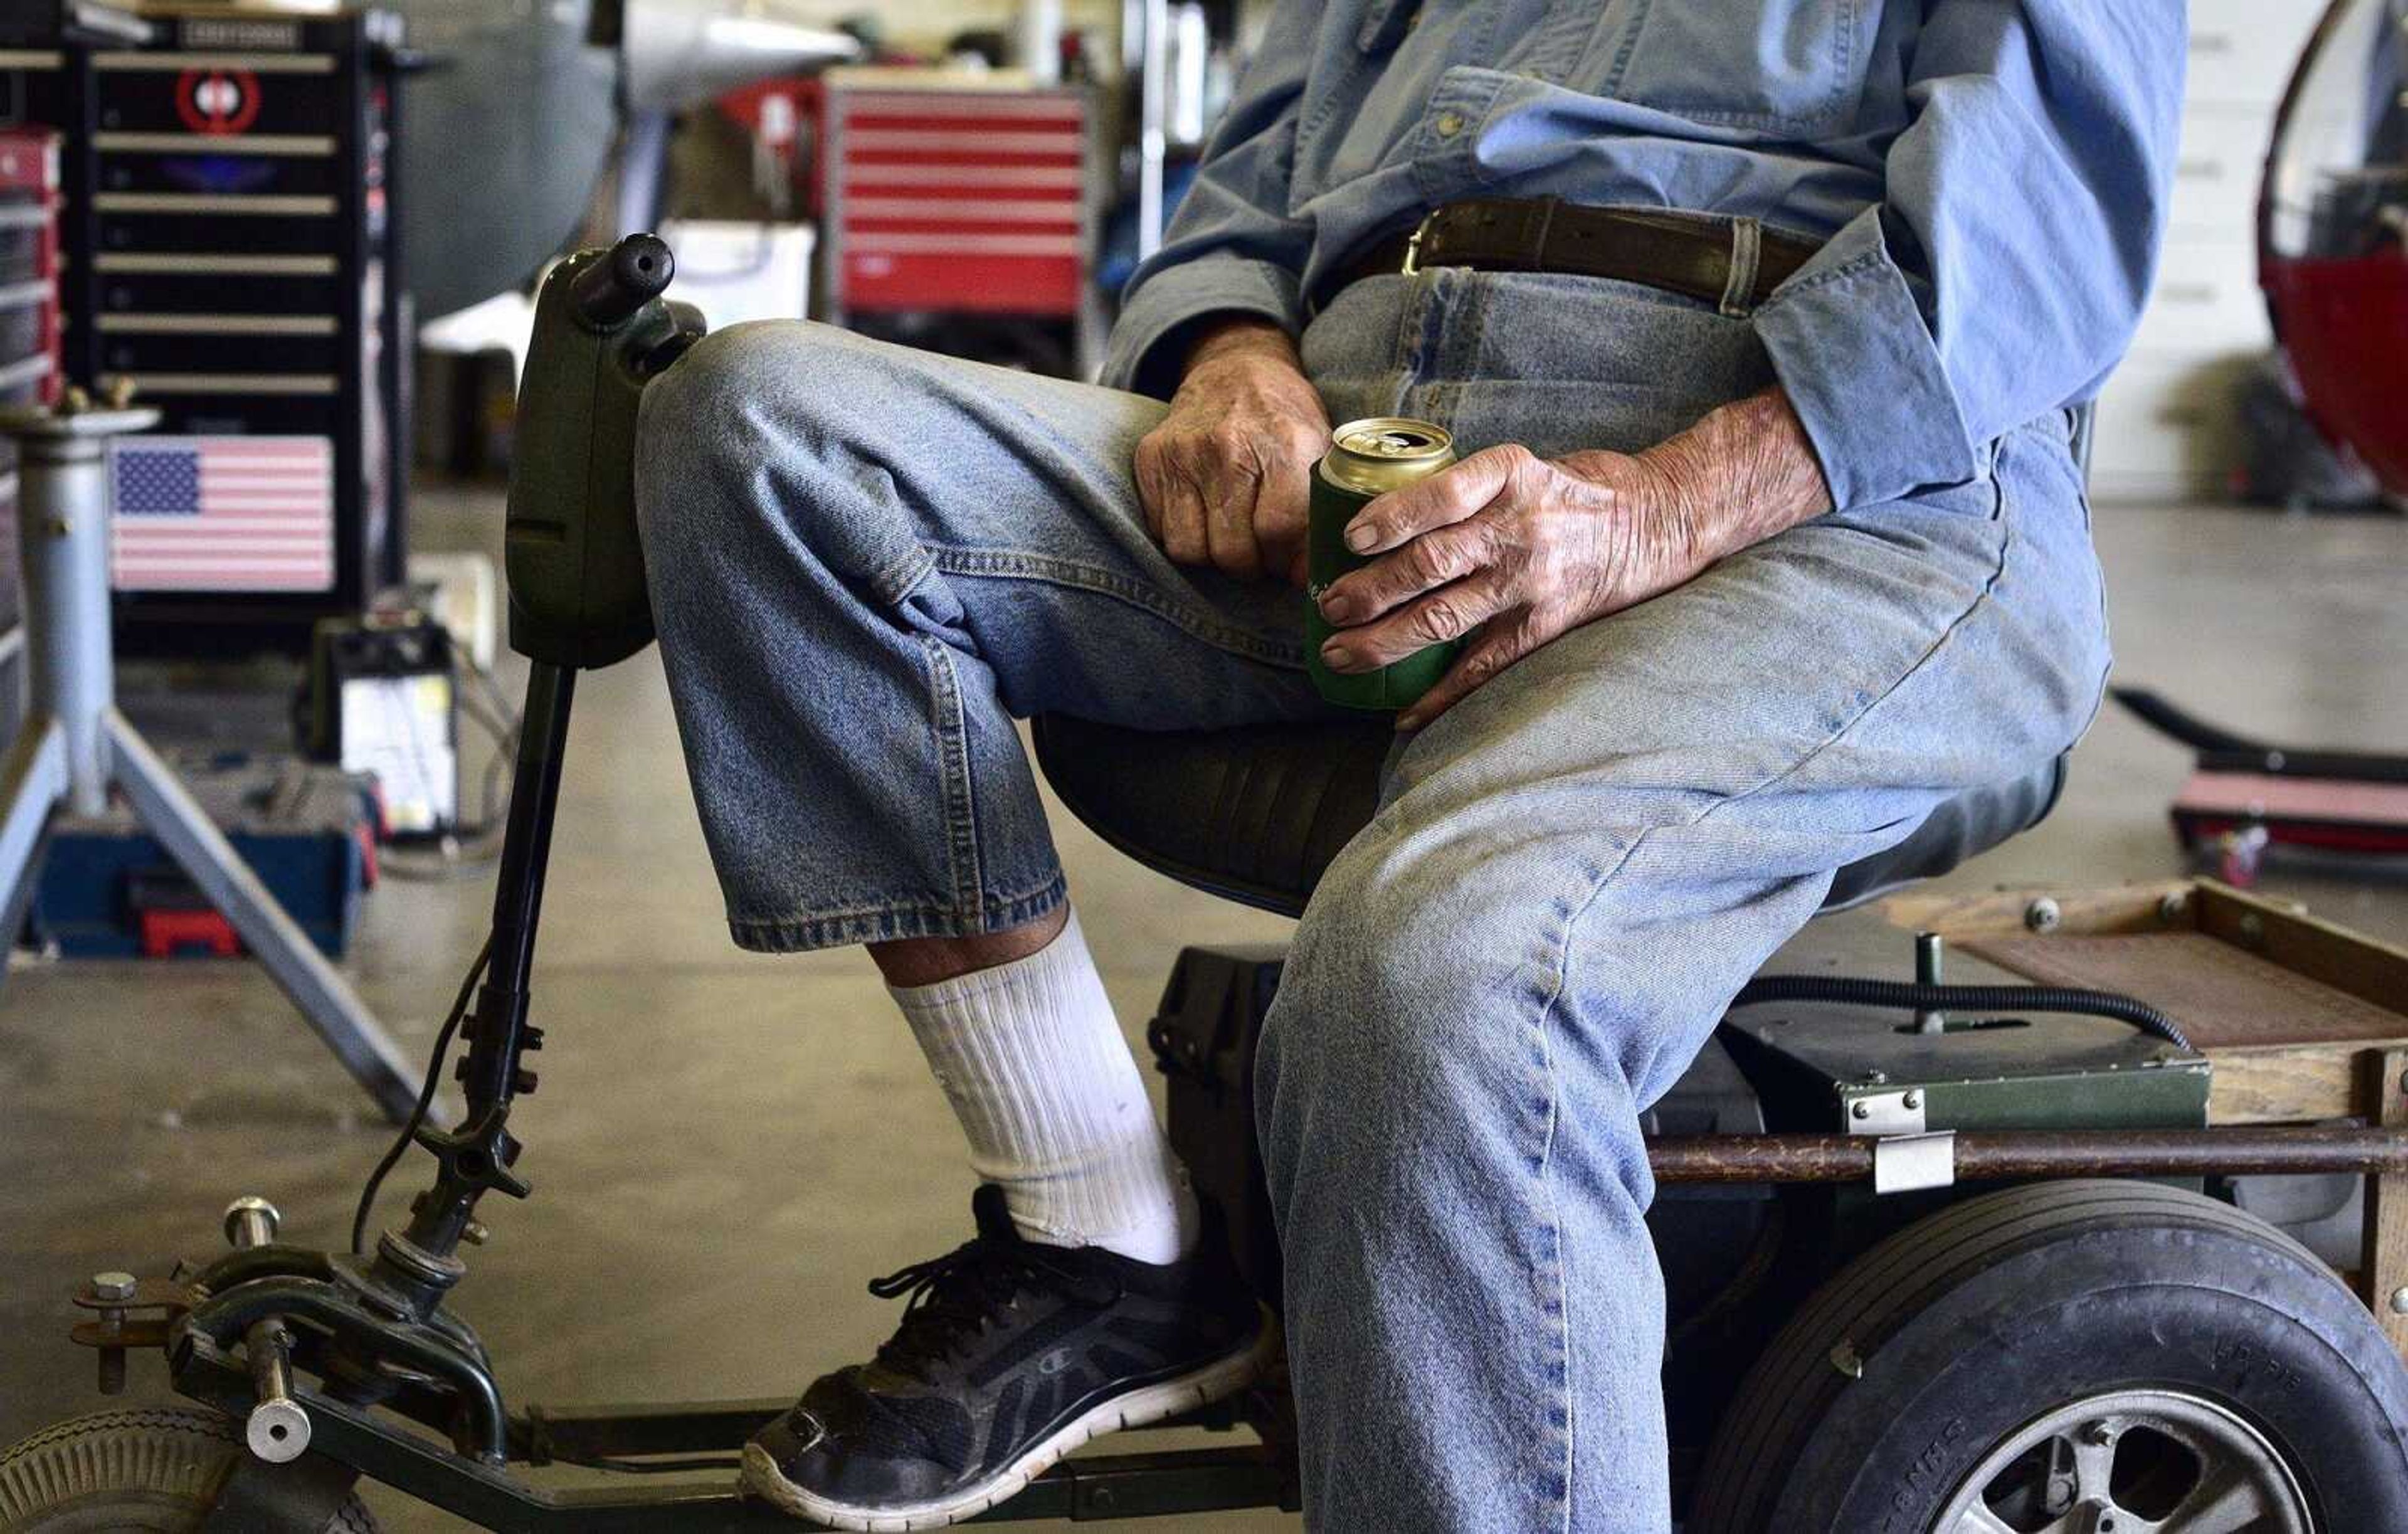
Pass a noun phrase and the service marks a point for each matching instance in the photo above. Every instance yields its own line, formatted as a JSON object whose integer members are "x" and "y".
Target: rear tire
{"x": 156, "y": 1471}
{"x": 1952, "y": 1378}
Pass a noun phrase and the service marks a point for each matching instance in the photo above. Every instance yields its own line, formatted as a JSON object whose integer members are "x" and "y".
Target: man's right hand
{"x": 1225, "y": 479}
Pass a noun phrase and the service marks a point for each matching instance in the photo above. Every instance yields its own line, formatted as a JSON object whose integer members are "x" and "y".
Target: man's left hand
{"x": 1515, "y": 550}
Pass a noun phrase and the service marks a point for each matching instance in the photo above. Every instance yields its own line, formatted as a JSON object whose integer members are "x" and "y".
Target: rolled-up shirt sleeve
{"x": 1232, "y": 246}
{"x": 2006, "y": 269}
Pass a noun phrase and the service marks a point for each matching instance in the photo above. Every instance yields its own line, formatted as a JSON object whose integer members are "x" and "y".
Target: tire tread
{"x": 1787, "y": 1392}
{"x": 145, "y": 1450}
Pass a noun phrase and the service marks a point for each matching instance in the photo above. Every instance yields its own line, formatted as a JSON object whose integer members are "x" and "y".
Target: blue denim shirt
{"x": 1988, "y": 180}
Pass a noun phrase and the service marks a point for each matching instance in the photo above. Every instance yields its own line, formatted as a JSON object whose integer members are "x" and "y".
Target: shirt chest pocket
{"x": 1787, "y": 67}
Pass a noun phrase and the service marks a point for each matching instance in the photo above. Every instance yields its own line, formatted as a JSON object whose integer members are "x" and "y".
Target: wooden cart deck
{"x": 2302, "y": 1020}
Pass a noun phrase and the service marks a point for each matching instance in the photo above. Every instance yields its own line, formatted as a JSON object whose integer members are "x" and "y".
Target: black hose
{"x": 426, "y": 1090}
{"x": 1904, "y": 996}
{"x": 2160, "y": 714}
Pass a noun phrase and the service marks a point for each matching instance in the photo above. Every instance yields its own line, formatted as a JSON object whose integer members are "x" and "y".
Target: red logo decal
{"x": 218, "y": 102}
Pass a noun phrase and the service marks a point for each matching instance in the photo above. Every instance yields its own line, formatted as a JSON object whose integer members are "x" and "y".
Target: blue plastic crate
{"x": 301, "y": 828}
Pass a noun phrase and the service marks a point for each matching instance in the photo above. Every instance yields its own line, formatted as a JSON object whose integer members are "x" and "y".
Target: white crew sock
{"x": 1033, "y": 1061}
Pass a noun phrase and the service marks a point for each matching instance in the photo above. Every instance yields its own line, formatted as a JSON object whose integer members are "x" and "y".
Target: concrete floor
{"x": 726, "y": 1147}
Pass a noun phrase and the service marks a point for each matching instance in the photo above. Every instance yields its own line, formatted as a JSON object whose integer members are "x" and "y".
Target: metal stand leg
{"x": 273, "y": 938}
{"x": 76, "y": 745}
{"x": 33, "y": 781}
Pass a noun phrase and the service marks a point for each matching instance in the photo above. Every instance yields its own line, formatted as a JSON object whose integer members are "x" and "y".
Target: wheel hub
{"x": 2130, "y": 1462}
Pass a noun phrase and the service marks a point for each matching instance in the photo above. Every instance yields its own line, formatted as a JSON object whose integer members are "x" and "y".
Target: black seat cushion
{"x": 1255, "y": 815}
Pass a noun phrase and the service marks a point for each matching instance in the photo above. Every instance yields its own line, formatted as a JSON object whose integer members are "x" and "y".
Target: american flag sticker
{"x": 222, "y": 513}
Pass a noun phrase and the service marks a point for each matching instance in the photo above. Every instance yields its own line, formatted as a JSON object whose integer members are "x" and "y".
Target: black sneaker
{"x": 1010, "y": 1354}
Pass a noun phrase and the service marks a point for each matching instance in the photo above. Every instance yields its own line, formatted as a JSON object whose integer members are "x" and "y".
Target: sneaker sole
{"x": 1146, "y": 1404}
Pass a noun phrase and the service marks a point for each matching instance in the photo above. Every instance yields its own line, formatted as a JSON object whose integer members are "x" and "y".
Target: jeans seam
{"x": 847, "y": 925}
{"x": 951, "y": 725}
{"x": 894, "y": 583}
{"x": 1021, "y": 565}
{"x": 1567, "y": 1398}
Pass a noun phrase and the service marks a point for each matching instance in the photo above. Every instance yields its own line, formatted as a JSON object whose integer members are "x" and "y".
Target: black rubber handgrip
{"x": 1902, "y": 996}
{"x": 609, "y": 293}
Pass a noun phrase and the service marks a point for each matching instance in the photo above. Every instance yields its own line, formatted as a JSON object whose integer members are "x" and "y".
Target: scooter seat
{"x": 1255, "y": 815}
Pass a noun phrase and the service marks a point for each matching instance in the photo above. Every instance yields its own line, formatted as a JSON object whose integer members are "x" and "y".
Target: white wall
{"x": 926, "y": 24}
{"x": 2166, "y": 423}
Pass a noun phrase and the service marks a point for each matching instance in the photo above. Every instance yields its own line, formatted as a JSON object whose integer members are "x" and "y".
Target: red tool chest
{"x": 954, "y": 192}
{"x": 29, "y": 317}
{"x": 29, "y": 265}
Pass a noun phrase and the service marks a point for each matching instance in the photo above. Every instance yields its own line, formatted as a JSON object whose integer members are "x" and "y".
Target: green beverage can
{"x": 1367, "y": 459}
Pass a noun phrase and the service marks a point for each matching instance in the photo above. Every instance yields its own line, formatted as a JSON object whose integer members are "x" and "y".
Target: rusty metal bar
{"x": 1982, "y": 1156}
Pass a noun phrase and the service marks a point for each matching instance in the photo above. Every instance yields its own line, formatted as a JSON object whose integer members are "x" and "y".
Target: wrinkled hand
{"x": 1227, "y": 477}
{"x": 1517, "y": 550}
{"x": 1517, "y": 547}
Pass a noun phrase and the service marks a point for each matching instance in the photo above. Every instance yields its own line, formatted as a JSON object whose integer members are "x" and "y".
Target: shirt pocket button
{"x": 1449, "y": 124}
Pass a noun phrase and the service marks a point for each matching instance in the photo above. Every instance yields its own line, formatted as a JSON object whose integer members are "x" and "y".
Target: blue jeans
{"x": 867, "y": 561}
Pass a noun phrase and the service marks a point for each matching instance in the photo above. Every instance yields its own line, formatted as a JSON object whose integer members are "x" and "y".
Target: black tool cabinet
{"x": 229, "y": 244}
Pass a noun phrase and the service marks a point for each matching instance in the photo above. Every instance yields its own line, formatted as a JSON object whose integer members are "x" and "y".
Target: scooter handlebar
{"x": 613, "y": 289}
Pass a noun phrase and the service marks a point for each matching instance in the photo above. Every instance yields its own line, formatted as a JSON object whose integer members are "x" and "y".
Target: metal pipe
{"x": 64, "y": 540}
{"x": 517, "y": 897}
{"x": 1984, "y": 1156}
{"x": 1152, "y": 139}
{"x": 277, "y": 1428}
{"x": 1930, "y": 969}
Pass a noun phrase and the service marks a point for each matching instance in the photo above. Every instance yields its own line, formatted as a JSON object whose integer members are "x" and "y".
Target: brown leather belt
{"x": 1734, "y": 263}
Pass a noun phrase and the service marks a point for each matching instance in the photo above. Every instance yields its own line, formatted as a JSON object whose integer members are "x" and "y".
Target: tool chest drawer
{"x": 963, "y": 197}
{"x": 196, "y": 228}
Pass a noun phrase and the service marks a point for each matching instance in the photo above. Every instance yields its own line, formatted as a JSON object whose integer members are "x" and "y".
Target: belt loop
{"x": 1413, "y": 244}
{"x": 1539, "y": 245}
{"x": 1746, "y": 254}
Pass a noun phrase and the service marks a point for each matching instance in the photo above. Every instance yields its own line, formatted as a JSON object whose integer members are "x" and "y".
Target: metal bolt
{"x": 251, "y": 1221}
{"x": 117, "y": 1286}
{"x": 1913, "y": 1099}
{"x": 1931, "y": 965}
{"x": 1863, "y": 1110}
{"x": 474, "y": 1233}
{"x": 2252, "y": 928}
{"x": 1876, "y": 1078}
{"x": 2400, "y": 1302}
{"x": 2042, "y": 915}
{"x": 2099, "y": 1435}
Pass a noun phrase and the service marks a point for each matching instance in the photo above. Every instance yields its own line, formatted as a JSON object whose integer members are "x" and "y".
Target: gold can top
{"x": 1385, "y": 452}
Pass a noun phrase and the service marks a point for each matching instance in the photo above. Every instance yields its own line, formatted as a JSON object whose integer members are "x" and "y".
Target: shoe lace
{"x": 950, "y": 1298}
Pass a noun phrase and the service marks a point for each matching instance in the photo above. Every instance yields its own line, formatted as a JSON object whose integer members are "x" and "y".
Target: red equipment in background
{"x": 2333, "y": 231}
{"x": 29, "y": 339}
{"x": 945, "y": 192}
{"x": 29, "y": 266}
